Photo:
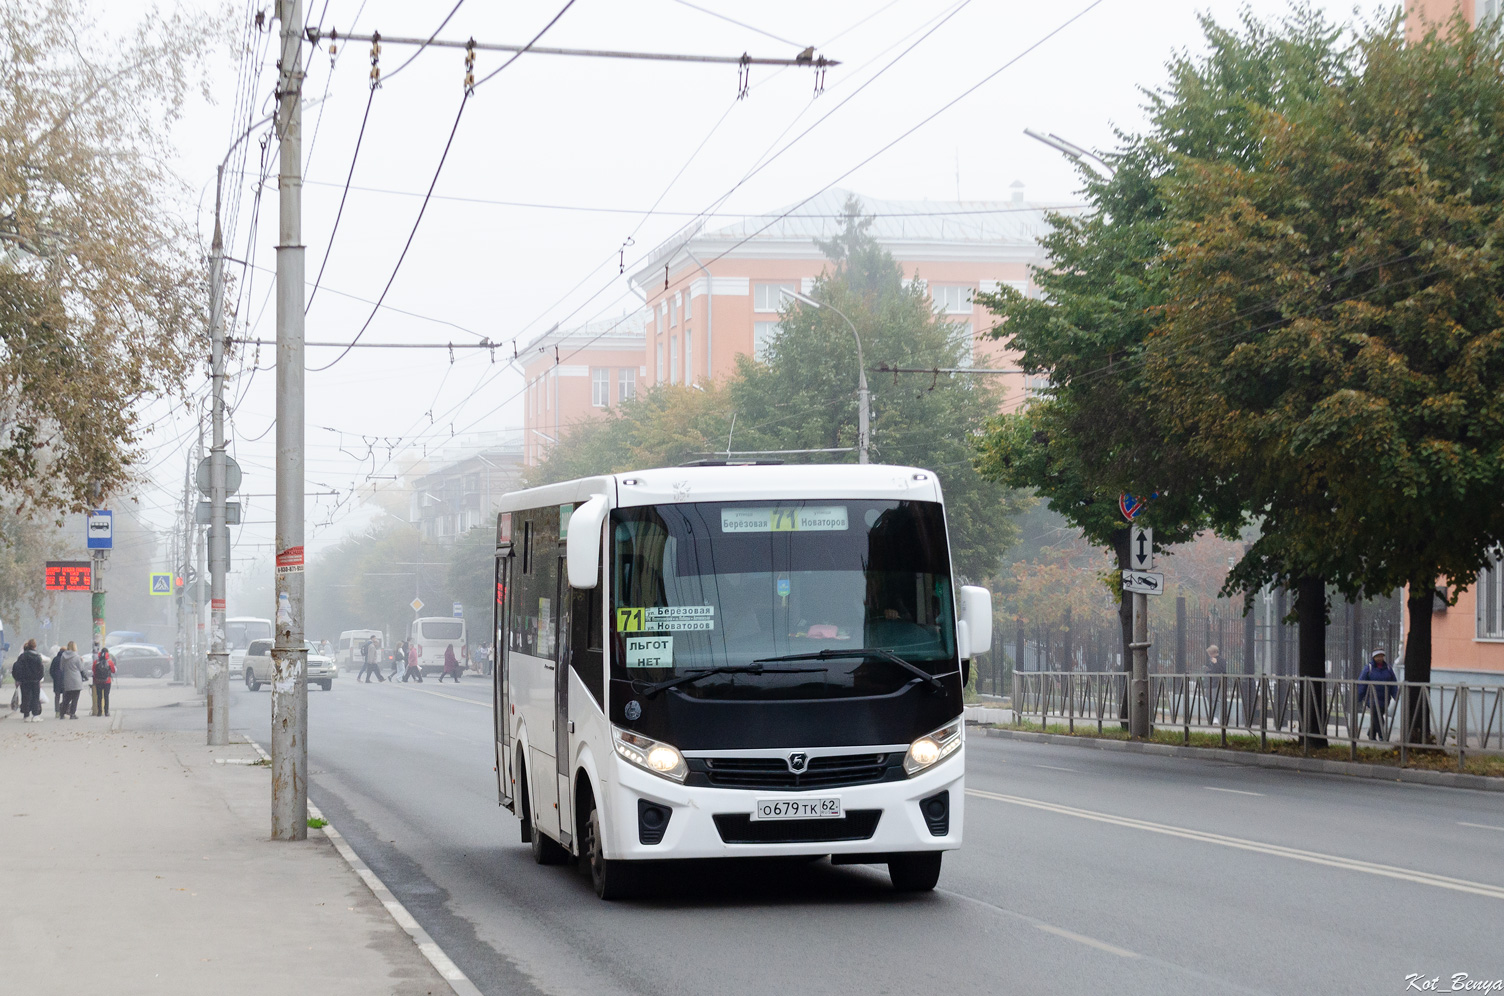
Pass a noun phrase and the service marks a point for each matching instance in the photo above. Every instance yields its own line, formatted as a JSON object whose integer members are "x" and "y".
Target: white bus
{"x": 432, "y": 636}
{"x": 733, "y": 661}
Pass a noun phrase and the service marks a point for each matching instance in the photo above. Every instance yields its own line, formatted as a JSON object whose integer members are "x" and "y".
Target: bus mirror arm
{"x": 583, "y": 546}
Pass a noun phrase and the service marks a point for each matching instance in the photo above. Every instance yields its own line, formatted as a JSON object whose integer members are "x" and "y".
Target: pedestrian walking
{"x": 399, "y": 662}
{"x": 451, "y": 666}
{"x": 28, "y": 670}
{"x": 55, "y": 672}
{"x": 1377, "y": 688}
{"x": 372, "y": 652}
{"x": 103, "y": 673}
{"x": 490, "y": 658}
{"x": 414, "y": 670}
{"x": 1215, "y": 668}
{"x": 75, "y": 679}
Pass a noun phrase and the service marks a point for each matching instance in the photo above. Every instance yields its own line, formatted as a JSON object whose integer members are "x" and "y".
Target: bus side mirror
{"x": 583, "y": 547}
{"x": 976, "y": 615}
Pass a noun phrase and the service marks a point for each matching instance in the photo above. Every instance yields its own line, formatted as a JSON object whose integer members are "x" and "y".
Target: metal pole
{"x": 289, "y": 658}
{"x": 1138, "y": 702}
{"x": 218, "y": 691}
{"x": 200, "y": 674}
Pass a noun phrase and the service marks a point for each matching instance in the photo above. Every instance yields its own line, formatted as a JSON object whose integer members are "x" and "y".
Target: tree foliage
{"x": 100, "y": 291}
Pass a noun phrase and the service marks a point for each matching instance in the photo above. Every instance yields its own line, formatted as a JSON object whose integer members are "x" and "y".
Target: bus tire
{"x": 525, "y": 817}
{"x": 546, "y": 850}
{"x": 917, "y": 872}
{"x": 612, "y": 879}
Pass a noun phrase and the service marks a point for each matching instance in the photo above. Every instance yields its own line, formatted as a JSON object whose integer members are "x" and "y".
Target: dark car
{"x": 139, "y": 660}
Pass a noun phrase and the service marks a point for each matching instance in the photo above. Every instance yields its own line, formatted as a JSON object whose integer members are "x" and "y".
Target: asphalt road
{"x": 1082, "y": 872}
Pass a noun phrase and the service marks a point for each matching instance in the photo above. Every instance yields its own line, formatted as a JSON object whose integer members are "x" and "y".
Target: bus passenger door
{"x": 562, "y": 758}
{"x": 500, "y": 697}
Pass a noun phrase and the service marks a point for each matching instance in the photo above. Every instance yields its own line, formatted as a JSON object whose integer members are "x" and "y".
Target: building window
{"x": 673, "y": 359}
{"x": 762, "y": 334}
{"x": 966, "y": 339}
{"x": 689, "y": 356}
{"x": 769, "y": 297}
{"x": 626, "y": 384}
{"x": 1487, "y": 10}
{"x": 661, "y": 372}
{"x": 663, "y": 316}
{"x": 600, "y": 387}
{"x": 1490, "y": 590}
{"x": 673, "y": 310}
{"x": 952, "y": 300}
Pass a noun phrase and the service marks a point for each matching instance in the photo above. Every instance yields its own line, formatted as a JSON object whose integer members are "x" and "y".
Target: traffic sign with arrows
{"x": 1141, "y": 548}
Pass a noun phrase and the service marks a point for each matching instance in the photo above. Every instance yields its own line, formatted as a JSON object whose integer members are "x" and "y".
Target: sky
{"x": 558, "y": 164}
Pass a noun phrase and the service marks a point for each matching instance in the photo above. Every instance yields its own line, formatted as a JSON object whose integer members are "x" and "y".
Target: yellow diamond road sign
{"x": 417, "y": 604}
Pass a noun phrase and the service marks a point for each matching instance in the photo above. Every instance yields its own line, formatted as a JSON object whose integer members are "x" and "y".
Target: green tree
{"x": 1330, "y": 339}
{"x": 1092, "y": 435}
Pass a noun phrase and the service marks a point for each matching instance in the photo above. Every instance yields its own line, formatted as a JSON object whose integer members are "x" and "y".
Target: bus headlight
{"x": 932, "y": 748}
{"x": 659, "y": 758}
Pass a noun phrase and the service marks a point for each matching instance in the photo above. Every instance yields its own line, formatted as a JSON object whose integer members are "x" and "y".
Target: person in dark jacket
{"x": 55, "y": 672}
{"x": 371, "y": 651}
{"x": 451, "y": 666}
{"x": 28, "y": 670}
{"x": 1377, "y": 688}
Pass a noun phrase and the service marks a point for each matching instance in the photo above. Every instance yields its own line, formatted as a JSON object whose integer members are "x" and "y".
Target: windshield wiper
{"x": 754, "y": 668}
{"x": 877, "y": 653}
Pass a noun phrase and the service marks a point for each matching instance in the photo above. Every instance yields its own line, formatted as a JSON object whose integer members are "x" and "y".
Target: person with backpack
{"x": 104, "y": 671}
{"x": 372, "y": 661}
{"x": 55, "y": 672}
{"x": 75, "y": 679}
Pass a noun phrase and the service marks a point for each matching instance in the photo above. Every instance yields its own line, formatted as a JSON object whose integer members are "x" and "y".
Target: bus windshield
{"x": 730, "y": 584}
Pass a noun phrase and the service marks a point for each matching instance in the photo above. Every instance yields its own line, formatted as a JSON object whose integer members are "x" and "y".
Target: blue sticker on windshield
{"x": 783, "y": 587}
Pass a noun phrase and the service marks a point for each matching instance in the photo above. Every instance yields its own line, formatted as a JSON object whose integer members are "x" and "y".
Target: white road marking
{"x": 1480, "y": 826}
{"x": 1274, "y": 850}
{"x": 1213, "y": 788}
{"x": 1052, "y": 767}
{"x": 457, "y": 698}
{"x": 1090, "y": 942}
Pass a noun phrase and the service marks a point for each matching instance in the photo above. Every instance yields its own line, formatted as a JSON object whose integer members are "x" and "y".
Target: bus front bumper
{"x": 693, "y": 831}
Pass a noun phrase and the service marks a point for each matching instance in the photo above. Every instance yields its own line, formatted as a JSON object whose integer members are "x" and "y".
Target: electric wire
{"x": 344, "y": 194}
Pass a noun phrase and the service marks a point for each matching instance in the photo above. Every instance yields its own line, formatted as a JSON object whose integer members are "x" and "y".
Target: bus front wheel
{"x": 915, "y": 872}
{"x": 611, "y": 879}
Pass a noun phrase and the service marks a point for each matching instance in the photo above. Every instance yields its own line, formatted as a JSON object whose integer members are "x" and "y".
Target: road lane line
{"x": 1052, "y": 767}
{"x": 1213, "y": 788}
{"x": 1274, "y": 850}
{"x": 1480, "y": 826}
{"x": 1090, "y": 942}
{"x": 457, "y": 698}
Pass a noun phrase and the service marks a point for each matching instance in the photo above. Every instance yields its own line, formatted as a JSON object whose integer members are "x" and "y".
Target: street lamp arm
{"x": 863, "y": 398}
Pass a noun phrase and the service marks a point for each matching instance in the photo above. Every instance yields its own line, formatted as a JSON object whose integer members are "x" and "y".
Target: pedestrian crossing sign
{"x": 161, "y": 583}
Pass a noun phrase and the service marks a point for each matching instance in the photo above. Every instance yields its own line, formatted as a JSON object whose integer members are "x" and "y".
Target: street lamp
{"x": 1071, "y": 151}
{"x": 861, "y": 372}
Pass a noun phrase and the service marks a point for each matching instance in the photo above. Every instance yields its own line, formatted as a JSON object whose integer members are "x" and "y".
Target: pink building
{"x": 575, "y": 375}
{"x": 713, "y": 295}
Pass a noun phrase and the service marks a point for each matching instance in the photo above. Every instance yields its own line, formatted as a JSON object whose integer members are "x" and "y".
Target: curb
{"x": 441, "y": 962}
{"x": 1445, "y": 779}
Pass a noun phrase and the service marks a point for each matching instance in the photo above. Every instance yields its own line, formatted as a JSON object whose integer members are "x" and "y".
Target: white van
{"x": 433, "y": 634}
{"x": 347, "y": 652}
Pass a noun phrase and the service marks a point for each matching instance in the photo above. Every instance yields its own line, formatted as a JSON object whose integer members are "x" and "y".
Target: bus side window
{"x": 586, "y": 646}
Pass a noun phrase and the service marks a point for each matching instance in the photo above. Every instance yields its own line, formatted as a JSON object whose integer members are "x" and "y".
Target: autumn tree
{"x": 100, "y": 292}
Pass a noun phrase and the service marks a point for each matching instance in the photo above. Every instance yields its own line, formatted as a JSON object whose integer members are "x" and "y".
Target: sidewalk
{"x": 133, "y": 863}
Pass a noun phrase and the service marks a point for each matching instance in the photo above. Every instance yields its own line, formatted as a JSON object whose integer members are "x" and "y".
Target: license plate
{"x": 798, "y": 809}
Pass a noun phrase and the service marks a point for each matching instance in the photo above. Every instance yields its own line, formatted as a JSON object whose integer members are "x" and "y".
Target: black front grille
{"x": 831, "y": 771}
{"x": 740, "y": 828}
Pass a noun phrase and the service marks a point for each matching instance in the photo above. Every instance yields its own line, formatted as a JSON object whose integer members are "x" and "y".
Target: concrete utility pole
{"x": 217, "y": 700}
{"x": 862, "y": 397}
{"x": 180, "y": 572}
{"x": 200, "y": 676}
{"x": 289, "y": 656}
{"x": 1138, "y": 698}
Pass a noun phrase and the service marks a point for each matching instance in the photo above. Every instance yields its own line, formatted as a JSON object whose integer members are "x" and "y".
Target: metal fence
{"x": 1457, "y": 718}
